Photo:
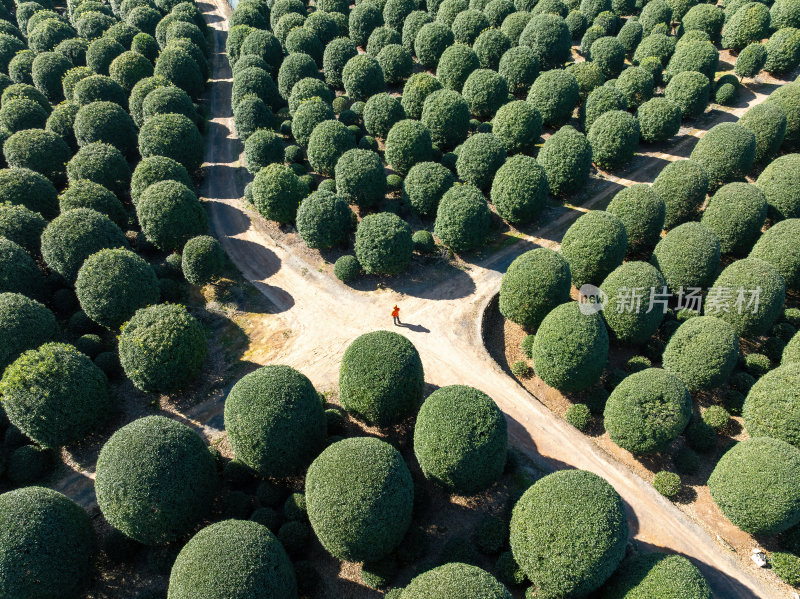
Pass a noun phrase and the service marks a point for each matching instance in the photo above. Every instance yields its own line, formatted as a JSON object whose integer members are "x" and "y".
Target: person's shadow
{"x": 417, "y": 328}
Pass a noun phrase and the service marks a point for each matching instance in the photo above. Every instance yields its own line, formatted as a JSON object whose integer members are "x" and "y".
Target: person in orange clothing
{"x": 396, "y": 315}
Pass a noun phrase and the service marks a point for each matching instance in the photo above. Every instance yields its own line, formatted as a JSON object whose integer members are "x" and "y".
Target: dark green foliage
{"x": 407, "y": 143}
{"x": 667, "y": 484}
{"x": 162, "y": 348}
{"x": 751, "y": 60}
{"x": 786, "y": 567}
{"x": 760, "y": 467}
{"x": 691, "y": 91}
{"x": 172, "y": 99}
{"x": 736, "y": 214}
{"x": 614, "y": 137}
{"x": 91, "y": 345}
{"x": 415, "y": 20}
{"x": 277, "y": 192}
{"x": 757, "y": 364}
{"x": 255, "y": 80}
{"x": 745, "y": 276}
{"x": 203, "y": 260}
{"x": 770, "y": 408}
{"x": 328, "y": 142}
{"x": 779, "y": 183}
{"x": 55, "y": 395}
{"x": 630, "y": 320}
{"x": 95, "y": 88}
{"x": 579, "y": 416}
{"x": 424, "y": 243}
{"x": 323, "y": 25}
{"x": 431, "y": 42}
{"x": 381, "y": 112}
{"x": 777, "y": 246}
{"x": 18, "y": 271}
{"x": 460, "y": 439}
{"x": 647, "y": 411}
{"x": 28, "y": 464}
{"x": 380, "y": 38}
{"x": 570, "y": 349}
{"x": 24, "y": 324}
{"x": 22, "y": 226}
{"x": 47, "y": 546}
{"x": 262, "y": 148}
{"x": 651, "y": 574}
{"x": 21, "y": 66}
{"x": 659, "y": 119}
{"x": 418, "y": 87}
{"x": 554, "y": 94}
{"x": 726, "y": 152}
{"x": 9, "y": 46}
{"x": 656, "y": 44}
{"x": 750, "y": 23}
{"x": 302, "y": 40}
{"x": 173, "y": 136}
{"x": 42, "y": 151}
{"x": 346, "y": 268}
{"x": 105, "y": 122}
{"x": 716, "y": 417}
{"x": 22, "y": 113}
{"x": 682, "y": 185}
{"x": 641, "y": 210}
{"x": 519, "y": 190}
{"x": 699, "y": 56}
{"x": 154, "y": 169}
{"x": 170, "y": 214}
{"x": 305, "y": 89}
{"x": 592, "y": 34}
{"x": 455, "y": 65}
{"x": 360, "y": 178}
{"x": 462, "y": 218}
{"x": 455, "y": 579}
{"x": 490, "y": 47}
{"x": 294, "y": 68}
{"x": 177, "y": 64}
{"x": 101, "y": 52}
{"x": 61, "y": 122}
{"x": 519, "y": 66}
{"x": 308, "y": 115}
{"x": 514, "y": 24}
{"x": 594, "y": 245}
{"x": 705, "y": 17}
{"x": 688, "y": 256}
{"x": 654, "y": 14}
{"x": 726, "y": 94}
{"x": 609, "y": 54}
{"x": 468, "y": 25}
{"x": 601, "y": 100}
{"x": 129, "y": 68}
{"x": 548, "y": 36}
{"x": 360, "y": 496}
{"x": 517, "y": 125}
{"x": 48, "y": 34}
{"x": 425, "y": 185}
{"x": 784, "y": 13}
{"x": 637, "y": 85}
{"x": 47, "y": 71}
{"x": 767, "y": 122}
{"x": 575, "y": 558}
{"x": 324, "y": 220}
{"x": 449, "y": 9}
{"x": 364, "y": 18}
{"x": 275, "y": 422}
{"x": 485, "y": 91}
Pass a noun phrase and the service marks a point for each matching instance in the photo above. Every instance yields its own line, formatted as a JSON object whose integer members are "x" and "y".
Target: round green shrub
{"x": 776, "y": 246}
{"x": 446, "y": 115}
{"x": 383, "y": 244}
{"x": 468, "y": 25}
{"x": 784, "y": 13}
{"x": 588, "y": 75}
{"x": 22, "y": 113}
{"x": 726, "y": 94}
{"x": 337, "y": 53}
{"x": 363, "y": 19}
{"x": 431, "y": 42}
{"x": 170, "y": 214}
{"x": 682, "y": 185}
{"x": 415, "y": 20}
{"x": 407, "y": 143}
{"x": 346, "y": 268}
{"x": 360, "y": 178}
{"x": 96, "y": 88}
{"x": 749, "y": 24}
{"x": 609, "y": 54}
{"x": 769, "y": 410}
{"x": 658, "y": 45}
{"x": 760, "y": 467}
{"x": 736, "y": 214}
{"x": 534, "y": 284}
{"x": 328, "y": 142}
{"x": 701, "y": 57}
{"x": 460, "y": 439}
{"x": 55, "y": 395}
{"x": 173, "y": 136}
{"x": 576, "y": 558}
{"x": 154, "y": 169}
{"x": 479, "y": 158}
{"x": 20, "y": 68}
{"x": 767, "y": 122}
{"x": 637, "y": 84}
{"x": 519, "y": 66}
{"x": 101, "y": 52}
{"x": 396, "y": 63}
{"x": 554, "y": 94}
{"x": 275, "y": 422}
{"x": 129, "y": 68}
{"x": 517, "y": 125}
{"x": 233, "y": 559}
{"x": 18, "y": 271}
{"x": 203, "y": 260}
{"x": 726, "y": 152}
{"x": 632, "y": 319}
{"x": 490, "y": 46}
{"x": 641, "y": 210}
{"x": 453, "y": 580}
{"x": 548, "y": 36}
{"x": 105, "y": 122}
{"x": 24, "y": 324}
{"x": 519, "y": 190}
{"x": 47, "y": 71}
{"x": 688, "y": 257}
{"x": 705, "y": 17}
{"x": 751, "y": 60}
{"x": 360, "y": 496}
{"x": 601, "y": 100}
{"x": 47, "y": 34}
{"x": 22, "y": 226}
{"x": 424, "y": 243}
{"x": 162, "y": 348}
{"x": 42, "y": 151}
{"x": 172, "y": 99}
{"x": 362, "y": 77}
{"x": 255, "y": 80}
{"x": 485, "y": 91}
{"x": 779, "y": 182}
{"x": 786, "y": 567}
{"x": 418, "y": 87}
{"x": 614, "y": 137}
{"x": 667, "y": 484}
{"x": 745, "y": 277}
{"x": 9, "y": 46}
{"x": 716, "y": 417}
{"x": 691, "y": 91}
{"x": 570, "y": 349}
{"x": 425, "y": 185}
{"x": 579, "y": 416}
{"x": 277, "y": 192}
{"x": 262, "y": 148}
{"x": 308, "y": 115}
{"x": 155, "y": 480}
{"x": 381, "y": 112}
{"x": 47, "y": 546}
{"x": 462, "y": 218}
{"x": 176, "y": 64}
{"x": 594, "y": 245}
{"x": 324, "y": 220}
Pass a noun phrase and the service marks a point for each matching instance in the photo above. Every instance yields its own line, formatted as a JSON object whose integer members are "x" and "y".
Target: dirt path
{"x": 324, "y": 316}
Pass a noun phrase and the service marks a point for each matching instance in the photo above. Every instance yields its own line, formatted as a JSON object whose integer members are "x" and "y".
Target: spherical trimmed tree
{"x": 425, "y": 185}
{"x": 446, "y": 115}
{"x": 726, "y": 152}
{"x": 98, "y": 88}
{"x": 165, "y": 100}
{"x": 770, "y": 409}
{"x": 277, "y": 192}
{"x": 418, "y": 87}
{"x": 328, "y": 142}
{"x": 779, "y": 183}
{"x": 263, "y": 148}
{"x": 47, "y": 545}
{"x": 381, "y": 378}
{"x": 641, "y": 210}
{"x": 454, "y": 580}
{"x": 251, "y": 114}
{"x": 688, "y": 256}
{"x": 362, "y": 21}
{"x": 162, "y": 348}
{"x": 637, "y": 84}
{"x": 74, "y": 236}
{"x": 571, "y": 348}
{"x": 462, "y": 218}
{"x": 517, "y": 125}
{"x": 173, "y": 136}
{"x": 698, "y": 56}
{"x": 24, "y": 324}
{"x": 359, "y": 495}
{"x": 682, "y": 185}
{"x": 746, "y": 278}
{"x": 761, "y": 467}
{"x": 519, "y": 190}
{"x": 83, "y": 193}
{"x": 650, "y": 574}
{"x": 42, "y": 151}
{"x": 233, "y": 559}
{"x": 47, "y": 71}
{"x": 634, "y": 291}
{"x": 154, "y": 169}
{"x": 22, "y": 113}
{"x": 407, "y": 143}
{"x": 455, "y": 65}
{"x": 659, "y": 119}
{"x": 705, "y": 17}
{"x": 55, "y": 394}
{"x": 594, "y": 245}
{"x": 601, "y": 100}
{"x": 335, "y": 57}
{"x": 466, "y": 453}
{"x": 275, "y": 421}
{"x": 383, "y": 244}
{"x": 566, "y": 158}
{"x": 360, "y": 178}
{"x": 519, "y": 66}
{"x": 105, "y": 122}
{"x": 155, "y": 480}
{"x": 534, "y": 284}
{"x": 18, "y": 271}
{"x": 767, "y": 121}
{"x": 170, "y": 214}
{"x": 308, "y": 115}
{"x": 485, "y": 91}
{"x": 555, "y": 95}
{"x": 202, "y": 260}
{"x": 362, "y": 77}
{"x": 324, "y": 220}
{"x": 577, "y": 557}
{"x": 751, "y": 60}
{"x": 490, "y": 46}
{"x": 750, "y": 23}
{"x": 549, "y": 36}
{"x": 691, "y": 91}
{"x": 479, "y": 158}
{"x": 176, "y": 64}
{"x": 614, "y": 138}
{"x": 431, "y": 42}
{"x": 736, "y": 214}
{"x": 608, "y": 53}
{"x": 381, "y": 112}
{"x": 777, "y": 246}
{"x": 22, "y": 226}
{"x": 588, "y": 75}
